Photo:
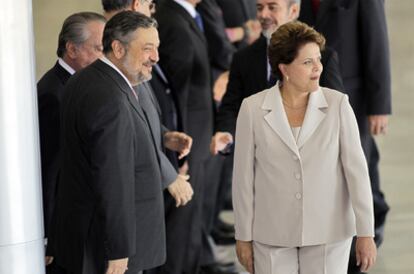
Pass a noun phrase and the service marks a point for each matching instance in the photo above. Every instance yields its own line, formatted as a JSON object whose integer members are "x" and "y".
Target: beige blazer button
{"x": 297, "y": 176}
{"x": 298, "y": 196}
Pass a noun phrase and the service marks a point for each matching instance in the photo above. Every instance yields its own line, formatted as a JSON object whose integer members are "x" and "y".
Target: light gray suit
{"x": 152, "y": 112}
{"x": 312, "y": 192}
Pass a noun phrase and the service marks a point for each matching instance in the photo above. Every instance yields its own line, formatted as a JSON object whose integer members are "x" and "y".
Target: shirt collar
{"x": 109, "y": 63}
{"x": 65, "y": 65}
{"x": 188, "y": 7}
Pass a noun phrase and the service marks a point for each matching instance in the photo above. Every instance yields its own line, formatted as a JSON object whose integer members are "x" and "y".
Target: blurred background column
{"x": 21, "y": 221}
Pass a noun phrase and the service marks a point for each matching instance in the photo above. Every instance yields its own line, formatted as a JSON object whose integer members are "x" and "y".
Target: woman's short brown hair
{"x": 286, "y": 42}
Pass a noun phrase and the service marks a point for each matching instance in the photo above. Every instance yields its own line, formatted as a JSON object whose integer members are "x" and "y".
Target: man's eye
{"x": 273, "y": 8}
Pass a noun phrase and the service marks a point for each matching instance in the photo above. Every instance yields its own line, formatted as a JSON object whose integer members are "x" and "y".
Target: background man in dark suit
{"x": 176, "y": 141}
{"x": 184, "y": 57}
{"x": 80, "y": 43}
{"x": 250, "y": 70}
{"x": 357, "y": 30}
{"x": 110, "y": 214}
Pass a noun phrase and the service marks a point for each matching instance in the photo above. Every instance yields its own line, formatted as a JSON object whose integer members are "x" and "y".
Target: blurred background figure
{"x": 79, "y": 44}
{"x": 357, "y": 30}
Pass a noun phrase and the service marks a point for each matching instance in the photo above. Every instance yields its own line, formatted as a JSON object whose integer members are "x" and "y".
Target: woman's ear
{"x": 283, "y": 69}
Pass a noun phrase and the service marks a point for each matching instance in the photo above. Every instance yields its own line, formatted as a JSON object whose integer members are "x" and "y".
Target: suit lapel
{"x": 277, "y": 119}
{"x": 180, "y": 10}
{"x": 315, "y": 113}
{"x": 62, "y": 73}
{"x": 152, "y": 97}
{"x": 122, "y": 84}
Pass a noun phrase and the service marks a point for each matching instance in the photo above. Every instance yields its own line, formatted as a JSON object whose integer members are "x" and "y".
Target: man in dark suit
{"x": 80, "y": 43}
{"x": 175, "y": 141}
{"x": 357, "y": 30}
{"x": 110, "y": 213}
{"x": 240, "y": 20}
{"x": 184, "y": 57}
{"x": 250, "y": 70}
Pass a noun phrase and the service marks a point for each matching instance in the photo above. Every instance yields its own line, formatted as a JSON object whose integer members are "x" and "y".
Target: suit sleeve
{"x": 376, "y": 56}
{"x": 243, "y": 175}
{"x": 168, "y": 172}
{"x": 49, "y": 129}
{"x": 111, "y": 142}
{"x": 232, "y": 99}
{"x": 219, "y": 46}
{"x": 331, "y": 75}
{"x": 356, "y": 171}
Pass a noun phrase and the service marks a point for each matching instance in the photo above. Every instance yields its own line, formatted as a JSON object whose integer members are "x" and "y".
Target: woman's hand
{"x": 366, "y": 253}
{"x": 244, "y": 252}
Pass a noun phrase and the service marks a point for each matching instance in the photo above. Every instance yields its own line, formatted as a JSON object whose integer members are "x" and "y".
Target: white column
{"x": 21, "y": 220}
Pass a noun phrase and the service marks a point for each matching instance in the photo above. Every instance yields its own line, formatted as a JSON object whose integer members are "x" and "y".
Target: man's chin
{"x": 268, "y": 33}
{"x": 144, "y": 77}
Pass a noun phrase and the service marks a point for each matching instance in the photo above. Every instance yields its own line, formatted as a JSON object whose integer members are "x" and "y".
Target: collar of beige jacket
{"x": 277, "y": 119}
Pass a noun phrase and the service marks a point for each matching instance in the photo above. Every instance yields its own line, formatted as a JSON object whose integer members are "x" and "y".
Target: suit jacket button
{"x": 297, "y": 176}
{"x": 298, "y": 196}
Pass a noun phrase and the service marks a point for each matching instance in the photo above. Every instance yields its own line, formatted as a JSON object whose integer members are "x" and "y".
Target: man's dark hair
{"x": 74, "y": 29}
{"x": 122, "y": 25}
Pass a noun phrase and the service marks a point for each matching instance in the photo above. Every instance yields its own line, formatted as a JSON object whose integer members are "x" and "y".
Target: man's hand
{"x": 219, "y": 142}
{"x": 366, "y": 253}
{"x": 48, "y": 260}
{"x": 119, "y": 266}
{"x": 181, "y": 190}
{"x": 179, "y": 142}
{"x": 244, "y": 252}
{"x": 183, "y": 170}
{"x": 254, "y": 29}
{"x": 378, "y": 124}
{"x": 220, "y": 86}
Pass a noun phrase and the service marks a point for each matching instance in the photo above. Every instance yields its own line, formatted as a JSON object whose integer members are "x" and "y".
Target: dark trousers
{"x": 184, "y": 228}
{"x": 54, "y": 268}
{"x": 381, "y": 207}
{"x": 212, "y": 181}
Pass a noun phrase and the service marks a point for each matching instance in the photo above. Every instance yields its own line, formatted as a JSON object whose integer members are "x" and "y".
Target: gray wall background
{"x": 48, "y": 17}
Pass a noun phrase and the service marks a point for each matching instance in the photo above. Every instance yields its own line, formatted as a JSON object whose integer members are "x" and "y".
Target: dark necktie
{"x": 199, "y": 21}
{"x": 315, "y": 6}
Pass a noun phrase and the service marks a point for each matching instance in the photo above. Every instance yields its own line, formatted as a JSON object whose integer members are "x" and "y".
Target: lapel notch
{"x": 277, "y": 119}
{"x": 315, "y": 113}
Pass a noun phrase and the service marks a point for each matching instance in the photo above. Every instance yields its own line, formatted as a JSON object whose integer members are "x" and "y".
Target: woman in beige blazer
{"x": 301, "y": 189}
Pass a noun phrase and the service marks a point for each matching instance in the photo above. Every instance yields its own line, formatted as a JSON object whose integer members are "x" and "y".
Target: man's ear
{"x": 294, "y": 10}
{"x": 71, "y": 50}
{"x": 118, "y": 49}
{"x": 135, "y": 5}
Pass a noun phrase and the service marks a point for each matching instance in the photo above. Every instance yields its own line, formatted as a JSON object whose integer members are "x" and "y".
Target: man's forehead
{"x": 147, "y": 35}
{"x": 271, "y": 2}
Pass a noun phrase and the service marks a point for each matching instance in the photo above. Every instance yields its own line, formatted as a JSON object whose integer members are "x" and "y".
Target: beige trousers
{"x": 318, "y": 259}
